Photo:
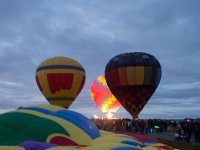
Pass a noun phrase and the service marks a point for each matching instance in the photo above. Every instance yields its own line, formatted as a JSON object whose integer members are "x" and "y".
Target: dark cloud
{"x": 92, "y": 32}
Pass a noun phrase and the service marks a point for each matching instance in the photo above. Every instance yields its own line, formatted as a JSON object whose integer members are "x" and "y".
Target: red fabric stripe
{"x": 115, "y": 77}
{"x": 63, "y": 141}
{"x": 100, "y": 93}
{"x": 81, "y": 86}
{"x": 60, "y": 81}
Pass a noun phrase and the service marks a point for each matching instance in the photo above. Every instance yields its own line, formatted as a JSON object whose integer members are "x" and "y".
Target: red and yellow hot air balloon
{"x": 103, "y": 98}
{"x": 60, "y": 79}
{"x": 133, "y": 78}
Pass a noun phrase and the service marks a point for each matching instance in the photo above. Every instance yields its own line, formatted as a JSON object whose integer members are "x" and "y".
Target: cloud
{"x": 92, "y": 32}
{"x": 8, "y": 83}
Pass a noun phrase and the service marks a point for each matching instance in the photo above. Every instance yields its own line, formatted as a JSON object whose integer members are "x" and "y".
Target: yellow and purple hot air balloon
{"x": 103, "y": 98}
{"x": 60, "y": 79}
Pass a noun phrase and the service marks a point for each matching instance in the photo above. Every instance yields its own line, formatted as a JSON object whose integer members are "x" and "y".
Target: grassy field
{"x": 180, "y": 145}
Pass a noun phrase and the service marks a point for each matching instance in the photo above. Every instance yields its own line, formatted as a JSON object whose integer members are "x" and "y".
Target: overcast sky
{"x": 94, "y": 31}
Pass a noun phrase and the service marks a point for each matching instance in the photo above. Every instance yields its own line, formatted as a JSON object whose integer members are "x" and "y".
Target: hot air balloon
{"x": 60, "y": 79}
{"x": 53, "y": 127}
{"x": 133, "y": 78}
{"x": 103, "y": 98}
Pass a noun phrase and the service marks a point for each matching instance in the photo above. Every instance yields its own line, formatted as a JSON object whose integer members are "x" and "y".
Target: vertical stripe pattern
{"x": 60, "y": 79}
{"x": 133, "y": 78}
{"x": 102, "y": 96}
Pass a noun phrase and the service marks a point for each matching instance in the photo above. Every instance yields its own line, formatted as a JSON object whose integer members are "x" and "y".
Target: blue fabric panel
{"x": 125, "y": 148}
{"x": 79, "y": 120}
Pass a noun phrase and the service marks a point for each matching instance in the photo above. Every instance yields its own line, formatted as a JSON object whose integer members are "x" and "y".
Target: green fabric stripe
{"x": 60, "y": 98}
{"x": 26, "y": 127}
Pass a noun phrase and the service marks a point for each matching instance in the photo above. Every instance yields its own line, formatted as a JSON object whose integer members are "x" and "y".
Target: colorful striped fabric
{"x": 44, "y": 123}
{"x": 102, "y": 96}
{"x": 60, "y": 79}
{"x": 133, "y": 78}
{"x": 50, "y": 127}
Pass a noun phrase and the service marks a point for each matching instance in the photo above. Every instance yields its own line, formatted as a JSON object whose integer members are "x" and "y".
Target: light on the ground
{"x": 109, "y": 115}
{"x": 96, "y": 117}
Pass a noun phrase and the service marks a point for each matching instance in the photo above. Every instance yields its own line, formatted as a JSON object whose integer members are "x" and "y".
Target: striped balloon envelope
{"x": 60, "y": 79}
{"x": 46, "y": 123}
{"x": 133, "y": 78}
{"x": 102, "y": 96}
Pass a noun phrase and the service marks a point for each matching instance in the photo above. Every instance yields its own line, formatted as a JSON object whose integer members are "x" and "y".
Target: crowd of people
{"x": 187, "y": 129}
{"x": 130, "y": 125}
{"x": 183, "y": 129}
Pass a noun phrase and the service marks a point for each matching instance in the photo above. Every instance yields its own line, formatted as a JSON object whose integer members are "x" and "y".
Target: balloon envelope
{"x": 133, "y": 78}
{"x": 46, "y": 123}
{"x": 54, "y": 127}
{"x": 60, "y": 79}
{"x": 102, "y": 96}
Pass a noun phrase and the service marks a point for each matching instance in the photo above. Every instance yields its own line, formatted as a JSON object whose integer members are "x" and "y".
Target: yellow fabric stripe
{"x": 64, "y": 148}
{"x": 106, "y": 146}
{"x": 107, "y": 104}
{"x": 135, "y": 75}
{"x": 111, "y": 138}
{"x": 63, "y": 103}
{"x": 43, "y": 82}
{"x": 122, "y": 76}
{"x": 131, "y": 75}
{"x": 78, "y": 77}
{"x": 52, "y": 108}
{"x": 139, "y": 75}
{"x": 60, "y": 61}
{"x": 105, "y": 133}
{"x": 102, "y": 81}
{"x": 11, "y": 148}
